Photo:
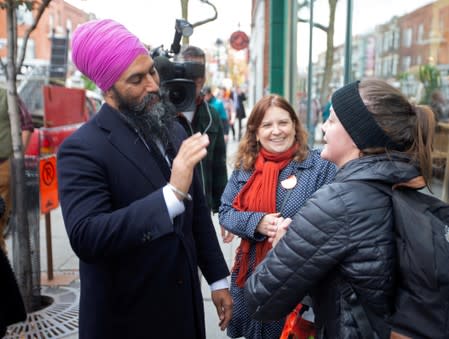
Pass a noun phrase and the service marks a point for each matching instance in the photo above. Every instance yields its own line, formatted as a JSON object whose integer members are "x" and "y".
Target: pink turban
{"x": 103, "y": 49}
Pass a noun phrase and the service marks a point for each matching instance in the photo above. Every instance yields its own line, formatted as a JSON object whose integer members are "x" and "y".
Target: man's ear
{"x": 109, "y": 93}
{"x": 110, "y": 97}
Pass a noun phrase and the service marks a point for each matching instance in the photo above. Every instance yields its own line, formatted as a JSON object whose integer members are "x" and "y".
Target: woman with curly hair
{"x": 275, "y": 173}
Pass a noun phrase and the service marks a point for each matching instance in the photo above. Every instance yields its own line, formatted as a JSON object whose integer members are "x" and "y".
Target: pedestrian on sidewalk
{"x": 224, "y": 94}
{"x": 275, "y": 174}
{"x": 133, "y": 204}
{"x": 344, "y": 235}
{"x": 239, "y": 96}
{"x": 218, "y": 105}
{"x": 205, "y": 119}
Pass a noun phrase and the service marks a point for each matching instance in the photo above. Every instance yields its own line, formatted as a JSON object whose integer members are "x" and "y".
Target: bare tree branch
{"x": 42, "y": 7}
{"x": 315, "y": 24}
{"x": 184, "y": 8}
{"x": 199, "y": 23}
{"x": 306, "y": 4}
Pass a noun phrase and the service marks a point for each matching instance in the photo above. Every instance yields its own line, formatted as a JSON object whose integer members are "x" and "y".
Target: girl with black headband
{"x": 345, "y": 230}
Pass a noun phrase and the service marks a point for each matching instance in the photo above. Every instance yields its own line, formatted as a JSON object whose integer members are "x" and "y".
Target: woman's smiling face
{"x": 276, "y": 132}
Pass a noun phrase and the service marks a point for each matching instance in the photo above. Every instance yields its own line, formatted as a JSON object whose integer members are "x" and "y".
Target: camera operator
{"x": 214, "y": 170}
{"x": 133, "y": 204}
{"x": 213, "y": 166}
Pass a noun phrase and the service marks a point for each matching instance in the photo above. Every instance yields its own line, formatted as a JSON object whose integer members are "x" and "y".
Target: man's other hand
{"x": 223, "y": 302}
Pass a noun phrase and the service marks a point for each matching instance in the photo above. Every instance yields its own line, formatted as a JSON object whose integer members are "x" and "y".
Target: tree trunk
{"x": 21, "y": 234}
{"x": 327, "y": 77}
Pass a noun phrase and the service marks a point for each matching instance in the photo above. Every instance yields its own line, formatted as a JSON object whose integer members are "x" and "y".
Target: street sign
{"x": 239, "y": 40}
{"x": 48, "y": 184}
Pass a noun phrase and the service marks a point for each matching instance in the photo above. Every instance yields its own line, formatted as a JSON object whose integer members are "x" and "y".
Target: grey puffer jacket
{"x": 344, "y": 231}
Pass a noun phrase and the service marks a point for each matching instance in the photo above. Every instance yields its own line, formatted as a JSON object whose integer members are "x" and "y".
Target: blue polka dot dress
{"x": 311, "y": 174}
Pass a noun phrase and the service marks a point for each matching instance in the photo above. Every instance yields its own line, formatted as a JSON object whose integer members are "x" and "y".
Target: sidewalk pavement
{"x": 65, "y": 266}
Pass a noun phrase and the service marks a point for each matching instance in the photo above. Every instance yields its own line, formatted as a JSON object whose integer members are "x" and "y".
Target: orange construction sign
{"x": 48, "y": 184}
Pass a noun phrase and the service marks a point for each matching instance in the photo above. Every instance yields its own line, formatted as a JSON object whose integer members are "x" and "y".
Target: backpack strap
{"x": 357, "y": 310}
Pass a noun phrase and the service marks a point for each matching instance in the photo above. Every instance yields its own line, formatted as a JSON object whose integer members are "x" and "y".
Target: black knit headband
{"x": 357, "y": 120}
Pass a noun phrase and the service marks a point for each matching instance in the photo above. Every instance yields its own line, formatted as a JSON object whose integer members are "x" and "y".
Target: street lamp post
{"x": 348, "y": 44}
{"x": 309, "y": 80}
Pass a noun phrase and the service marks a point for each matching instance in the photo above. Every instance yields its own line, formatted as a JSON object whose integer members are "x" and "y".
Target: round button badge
{"x": 290, "y": 182}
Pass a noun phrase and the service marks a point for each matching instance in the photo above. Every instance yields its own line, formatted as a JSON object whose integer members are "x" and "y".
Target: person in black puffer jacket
{"x": 344, "y": 233}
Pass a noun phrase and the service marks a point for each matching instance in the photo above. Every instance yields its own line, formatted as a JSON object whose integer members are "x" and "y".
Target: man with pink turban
{"x": 133, "y": 204}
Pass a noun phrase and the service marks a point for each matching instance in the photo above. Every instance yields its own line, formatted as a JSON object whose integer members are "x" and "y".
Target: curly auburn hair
{"x": 249, "y": 147}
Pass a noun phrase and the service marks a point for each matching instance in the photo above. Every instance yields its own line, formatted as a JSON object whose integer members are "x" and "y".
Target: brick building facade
{"x": 60, "y": 18}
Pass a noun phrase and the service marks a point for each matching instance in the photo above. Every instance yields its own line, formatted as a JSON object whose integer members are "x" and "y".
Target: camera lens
{"x": 177, "y": 94}
{"x": 181, "y": 93}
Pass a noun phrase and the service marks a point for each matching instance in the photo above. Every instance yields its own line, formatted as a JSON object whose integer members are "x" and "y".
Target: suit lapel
{"x": 128, "y": 143}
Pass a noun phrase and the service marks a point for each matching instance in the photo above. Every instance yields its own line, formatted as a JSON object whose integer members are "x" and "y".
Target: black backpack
{"x": 422, "y": 295}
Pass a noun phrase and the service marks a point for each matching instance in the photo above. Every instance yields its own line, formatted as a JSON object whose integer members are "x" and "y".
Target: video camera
{"x": 177, "y": 78}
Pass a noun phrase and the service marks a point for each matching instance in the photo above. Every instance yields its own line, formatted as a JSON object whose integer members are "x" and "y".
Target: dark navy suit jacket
{"x": 138, "y": 270}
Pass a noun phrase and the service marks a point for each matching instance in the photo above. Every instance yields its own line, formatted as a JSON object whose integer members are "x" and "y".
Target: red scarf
{"x": 259, "y": 194}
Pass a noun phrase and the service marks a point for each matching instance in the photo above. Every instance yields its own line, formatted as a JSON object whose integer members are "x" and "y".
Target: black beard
{"x": 152, "y": 118}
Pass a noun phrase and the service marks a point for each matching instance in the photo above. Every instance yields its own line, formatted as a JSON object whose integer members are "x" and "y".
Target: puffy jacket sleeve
{"x": 316, "y": 241}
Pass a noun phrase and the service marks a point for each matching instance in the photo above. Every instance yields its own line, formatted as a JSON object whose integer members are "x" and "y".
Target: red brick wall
{"x": 418, "y": 50}
{"x": 62, "y": 13}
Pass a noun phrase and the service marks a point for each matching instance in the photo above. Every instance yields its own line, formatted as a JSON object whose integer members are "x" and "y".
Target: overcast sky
{"x": 153, "y": 20}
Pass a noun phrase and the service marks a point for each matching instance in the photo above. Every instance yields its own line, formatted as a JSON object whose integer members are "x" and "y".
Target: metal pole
{"x": 348, "y": 44}
{"x": 49, "y": 246}
{"x": 292, "y": 75}
{"x": 309, "y": 79}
